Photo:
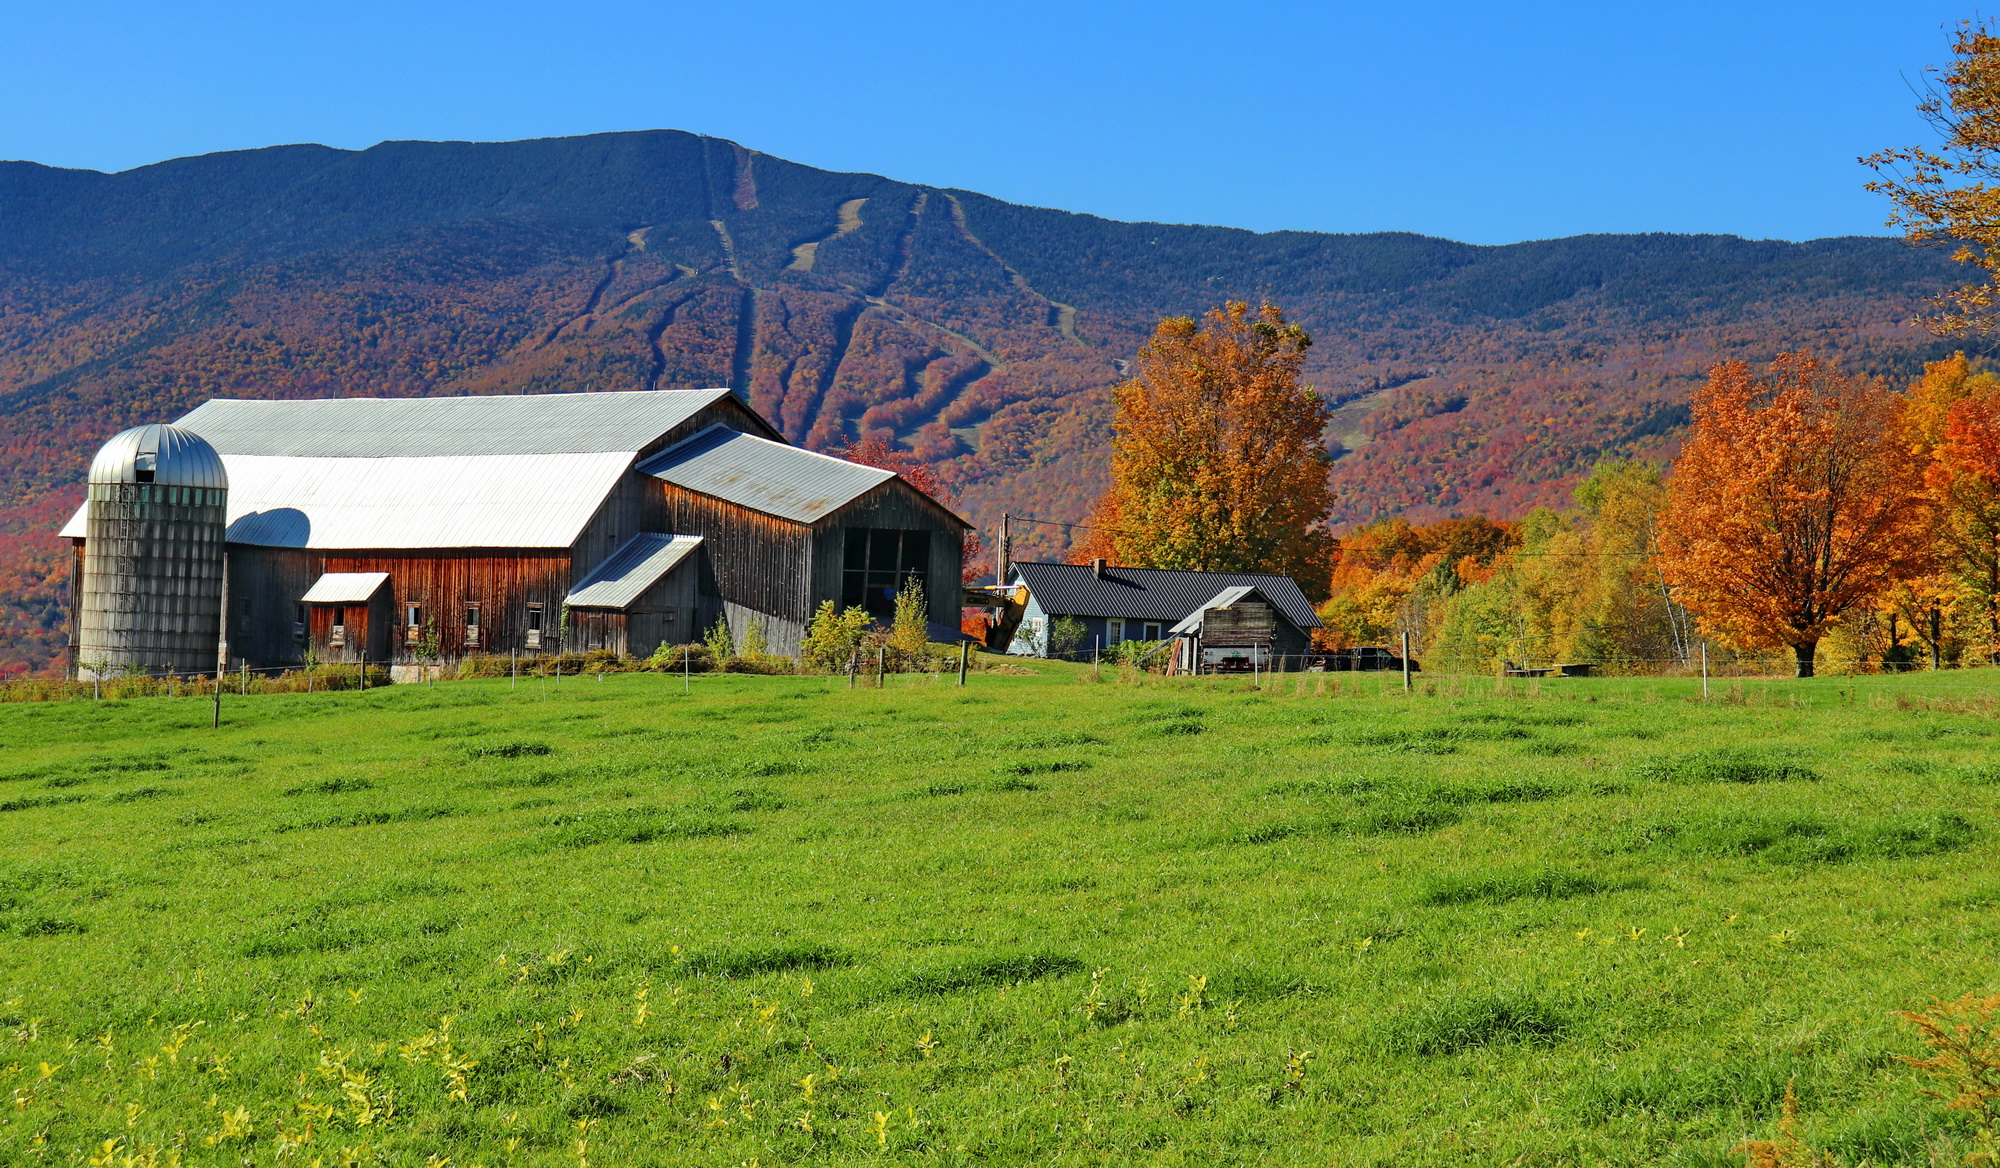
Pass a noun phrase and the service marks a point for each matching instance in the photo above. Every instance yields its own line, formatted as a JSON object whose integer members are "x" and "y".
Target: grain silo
{"x": 150, "y": 597}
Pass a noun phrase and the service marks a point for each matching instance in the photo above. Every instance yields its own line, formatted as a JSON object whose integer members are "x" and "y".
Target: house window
{"x": 878, "y": 562}
{"x": 1114, "y": 631}
{"x": 1152, "y": 632}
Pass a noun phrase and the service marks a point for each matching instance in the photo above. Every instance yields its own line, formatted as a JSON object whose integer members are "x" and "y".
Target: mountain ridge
{"x": 980, "y": 335}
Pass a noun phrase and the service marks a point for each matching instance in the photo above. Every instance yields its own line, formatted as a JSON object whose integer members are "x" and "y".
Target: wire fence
{"x": 1291, "y": 674}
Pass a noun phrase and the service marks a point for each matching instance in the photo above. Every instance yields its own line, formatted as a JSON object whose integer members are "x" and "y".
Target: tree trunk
{"x": 1804, "y": 650}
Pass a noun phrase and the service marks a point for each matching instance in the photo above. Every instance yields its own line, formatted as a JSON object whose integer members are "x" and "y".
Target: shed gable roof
{"x": 637, "y": 564}
{"x": 1227, "y": 598}
{"x": 345, "y": 588}
{"x": 378, "y": 427}
{"x": 786, "y": 481}
{"x": 1153, "y": 594}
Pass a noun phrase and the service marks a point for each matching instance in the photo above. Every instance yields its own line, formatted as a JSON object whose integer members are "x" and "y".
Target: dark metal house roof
{"x": 1160, "y": 594}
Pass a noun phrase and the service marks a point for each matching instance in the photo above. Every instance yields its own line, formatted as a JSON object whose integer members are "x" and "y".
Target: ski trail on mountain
{"x": 612, "y": 267}
{"x": 653, "y": 336}
{"x": 847, "y": 223}
{"x": 1062, "y": 316}
{"x": 746, "y": 343}
{"x": 843, "y": 337}
{"x": 728, "y": 246}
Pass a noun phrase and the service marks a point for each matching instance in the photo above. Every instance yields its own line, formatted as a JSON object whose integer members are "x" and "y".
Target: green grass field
{"x": 1035, "y": 920}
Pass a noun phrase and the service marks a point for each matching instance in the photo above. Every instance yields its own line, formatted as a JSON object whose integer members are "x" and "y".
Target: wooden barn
{"x": 415, "y": 530}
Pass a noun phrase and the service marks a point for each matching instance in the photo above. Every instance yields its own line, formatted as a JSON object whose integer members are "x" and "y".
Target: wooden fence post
{"x": 1406, "y": 663}
{"x": 964, "y": 651}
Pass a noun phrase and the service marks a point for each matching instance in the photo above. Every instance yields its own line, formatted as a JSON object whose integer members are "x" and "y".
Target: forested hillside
{"x": 980, "y": 335}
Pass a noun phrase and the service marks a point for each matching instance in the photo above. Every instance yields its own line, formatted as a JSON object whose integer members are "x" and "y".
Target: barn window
{"x": 472, "y": 626}
{"x": 339, "y": 636}
{"x": 144, "y": 465}
{"x": 534, "y": 626}
{"x": 878, "y": 561}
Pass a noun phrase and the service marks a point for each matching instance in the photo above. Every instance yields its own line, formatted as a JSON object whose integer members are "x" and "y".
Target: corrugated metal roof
{"x": 176, "y": 457}
{"x": 637, "y": 565}
{"x": 1226, "y": 598}
{"x": 375, "y": 427}
{"x": 766, "y": 476}
{"x": 500, "y": 500}
{"x": 344, "y": 587}
{"x": 1159, "y": 594}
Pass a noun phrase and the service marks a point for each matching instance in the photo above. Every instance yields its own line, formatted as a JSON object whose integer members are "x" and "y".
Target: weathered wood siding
{"x": 502, "y": 582}
{"x": 668, "y": 612}
{"x": 759, "y": 562}
{"x": 1251, "y": 621}
{"x": 894, "y": 504}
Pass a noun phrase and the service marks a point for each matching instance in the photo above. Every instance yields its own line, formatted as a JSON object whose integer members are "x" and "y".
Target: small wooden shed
{"x": 1240, "y": 628}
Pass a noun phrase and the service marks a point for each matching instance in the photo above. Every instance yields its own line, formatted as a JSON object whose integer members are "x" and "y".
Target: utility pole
{"x": 221, "y": 643}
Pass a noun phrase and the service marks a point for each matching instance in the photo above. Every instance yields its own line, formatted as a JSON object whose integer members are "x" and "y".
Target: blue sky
{"x": 1489, "y": 122}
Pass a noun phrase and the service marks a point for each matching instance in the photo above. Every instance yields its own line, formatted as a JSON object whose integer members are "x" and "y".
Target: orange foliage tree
{"x": 1964, "y": 478}
{"x": 1793, "y": 501}
{"x": 1949, "y": 193}
{"x": 1218, "y": 462}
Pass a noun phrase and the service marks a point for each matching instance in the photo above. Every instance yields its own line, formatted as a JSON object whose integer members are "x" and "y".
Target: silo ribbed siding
{"x": 152, "y": 576}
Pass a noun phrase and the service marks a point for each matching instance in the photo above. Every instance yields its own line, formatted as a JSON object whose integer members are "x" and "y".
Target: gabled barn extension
{"x": 420, "y": 529}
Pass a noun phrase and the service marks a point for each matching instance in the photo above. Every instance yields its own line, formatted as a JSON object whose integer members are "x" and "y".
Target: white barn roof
{"x": 405, "y": 427}
{"x": 526, "y": 471}
{"x": 500, "y": 500}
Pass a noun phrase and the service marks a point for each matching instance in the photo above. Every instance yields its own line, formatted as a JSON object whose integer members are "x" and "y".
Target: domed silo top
{"x": 159, "y": 453}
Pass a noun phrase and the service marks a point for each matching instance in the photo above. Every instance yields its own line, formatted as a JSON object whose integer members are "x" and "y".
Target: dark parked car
{"x": 1367, "y": 659}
